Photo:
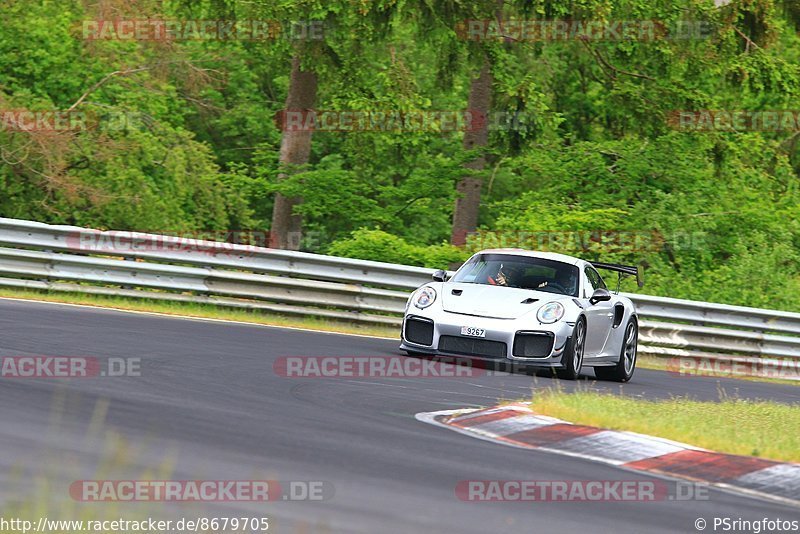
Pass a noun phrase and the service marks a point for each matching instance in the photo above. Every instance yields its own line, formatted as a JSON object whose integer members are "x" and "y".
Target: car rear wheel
{"x": 623, "y": 370}
{"x": 573, "y": 353}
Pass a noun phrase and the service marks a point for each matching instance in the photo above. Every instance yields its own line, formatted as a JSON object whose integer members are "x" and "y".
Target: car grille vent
{"x": 533, "y": 345}
{"x": 419, "y": 331}
{"x": 472, "y": 347}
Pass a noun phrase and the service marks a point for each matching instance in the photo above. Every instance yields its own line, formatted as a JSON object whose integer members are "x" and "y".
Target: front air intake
{"x": 419, "y": 331}
{"x": 533, "y": 344}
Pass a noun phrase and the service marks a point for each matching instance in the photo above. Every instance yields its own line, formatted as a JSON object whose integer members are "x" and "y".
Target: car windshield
{"x": 522, "y": 272}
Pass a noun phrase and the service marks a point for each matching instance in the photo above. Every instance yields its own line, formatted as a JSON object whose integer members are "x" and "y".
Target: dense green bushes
{"x": 725, "y": 233}
{"x": 380, "y": 246}
{"x": 595, "y": 169}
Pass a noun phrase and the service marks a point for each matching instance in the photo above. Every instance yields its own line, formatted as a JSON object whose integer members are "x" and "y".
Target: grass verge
{"x": 751, "y": 428}
{"x": 205, "y": 311}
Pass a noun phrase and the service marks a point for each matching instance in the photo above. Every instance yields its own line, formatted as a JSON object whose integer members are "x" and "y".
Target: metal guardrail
{"x": 67, "y": 258}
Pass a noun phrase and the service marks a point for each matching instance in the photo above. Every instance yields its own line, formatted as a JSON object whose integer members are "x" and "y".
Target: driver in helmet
{"x": 506, "y": 275}
{"x": 566, "y": 280}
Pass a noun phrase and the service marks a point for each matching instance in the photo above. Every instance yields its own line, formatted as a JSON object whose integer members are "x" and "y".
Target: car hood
{"x": 496, "y": 302}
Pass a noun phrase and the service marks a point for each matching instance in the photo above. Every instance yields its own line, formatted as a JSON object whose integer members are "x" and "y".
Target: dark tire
{"x": 573, "y": 353}
{"x": 623, "y": 371}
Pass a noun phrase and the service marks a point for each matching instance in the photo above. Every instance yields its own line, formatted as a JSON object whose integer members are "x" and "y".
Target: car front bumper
{"x": 522, "y": 341}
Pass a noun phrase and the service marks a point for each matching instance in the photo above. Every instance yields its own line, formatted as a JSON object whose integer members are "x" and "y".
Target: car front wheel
{"x": 623, "y": 370}
{"x": 572, "y": 360}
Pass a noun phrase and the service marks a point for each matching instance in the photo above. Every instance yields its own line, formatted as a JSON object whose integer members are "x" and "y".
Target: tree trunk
{"x": 295, "y": 150}
{"x": 468, "y": 190}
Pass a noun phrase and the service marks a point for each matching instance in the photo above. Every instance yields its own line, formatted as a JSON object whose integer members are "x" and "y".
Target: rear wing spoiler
{"x": 622, "y": 269}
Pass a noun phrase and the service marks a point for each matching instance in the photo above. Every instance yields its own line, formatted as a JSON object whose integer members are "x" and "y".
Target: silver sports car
{"x": 535, "y": 309}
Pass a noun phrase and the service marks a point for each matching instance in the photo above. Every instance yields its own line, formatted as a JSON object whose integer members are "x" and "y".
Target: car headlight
{"x": 424, "y": 297}
{"x": 550, "y": 313}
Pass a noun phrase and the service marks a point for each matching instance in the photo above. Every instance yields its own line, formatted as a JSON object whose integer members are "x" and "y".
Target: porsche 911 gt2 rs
{"x": 535, "y": 309}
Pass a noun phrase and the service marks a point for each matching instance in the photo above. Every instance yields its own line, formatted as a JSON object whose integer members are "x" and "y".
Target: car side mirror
{"x": 599, "y": 295}
{"x": 439, "y": 276}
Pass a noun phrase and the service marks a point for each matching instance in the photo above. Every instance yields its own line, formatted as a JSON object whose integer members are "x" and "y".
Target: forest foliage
{"x": 584, "y": 154}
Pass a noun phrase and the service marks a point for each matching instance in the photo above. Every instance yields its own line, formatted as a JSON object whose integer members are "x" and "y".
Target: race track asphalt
{"x": 208, "y": 405}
